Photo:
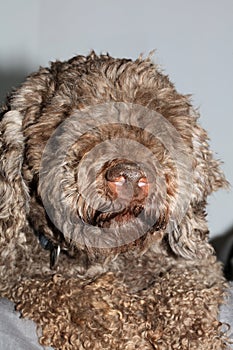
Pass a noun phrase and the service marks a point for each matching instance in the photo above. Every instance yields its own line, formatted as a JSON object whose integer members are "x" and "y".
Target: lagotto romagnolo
{"x": 104, "y": 178}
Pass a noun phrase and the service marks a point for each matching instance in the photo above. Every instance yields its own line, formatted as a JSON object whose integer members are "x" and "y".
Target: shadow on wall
{"x": 223, "y": 246}
{"x": 9, "y": 80}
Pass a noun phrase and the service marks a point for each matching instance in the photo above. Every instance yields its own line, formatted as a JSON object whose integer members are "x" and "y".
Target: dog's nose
{"x": 127, "y": 180}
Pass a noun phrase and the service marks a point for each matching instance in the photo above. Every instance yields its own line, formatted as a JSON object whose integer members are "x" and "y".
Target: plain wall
{"x": 193, "y": 42}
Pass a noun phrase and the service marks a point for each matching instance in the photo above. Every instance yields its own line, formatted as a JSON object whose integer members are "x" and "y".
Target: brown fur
{"x": 160, "y": 291}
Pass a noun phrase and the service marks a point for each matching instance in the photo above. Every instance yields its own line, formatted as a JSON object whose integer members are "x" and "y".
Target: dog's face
{"x": 114, "y": 174}
{"x": 114, "y": 156}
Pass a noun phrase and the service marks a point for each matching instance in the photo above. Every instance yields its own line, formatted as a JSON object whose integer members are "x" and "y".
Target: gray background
{"x": 193, "y": 42}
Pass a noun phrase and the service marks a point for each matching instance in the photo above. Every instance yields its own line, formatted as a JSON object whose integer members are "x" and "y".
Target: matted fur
{"x": 161, "y": 291}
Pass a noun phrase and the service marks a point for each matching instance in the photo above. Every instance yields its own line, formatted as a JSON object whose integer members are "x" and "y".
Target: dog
{"x": 105, "y": 174}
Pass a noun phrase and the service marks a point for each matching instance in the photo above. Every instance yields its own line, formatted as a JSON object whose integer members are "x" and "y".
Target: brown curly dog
{"x": 104, "y": 176}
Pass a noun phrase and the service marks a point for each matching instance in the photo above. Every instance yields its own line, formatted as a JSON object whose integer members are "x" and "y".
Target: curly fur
{"x": 161, "y": 291}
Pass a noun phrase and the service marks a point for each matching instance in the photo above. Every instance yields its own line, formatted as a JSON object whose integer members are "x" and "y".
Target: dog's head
{"x": 114, "y": 155}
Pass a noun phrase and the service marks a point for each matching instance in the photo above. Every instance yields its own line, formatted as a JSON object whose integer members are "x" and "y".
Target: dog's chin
{"x": 115, "y": 219}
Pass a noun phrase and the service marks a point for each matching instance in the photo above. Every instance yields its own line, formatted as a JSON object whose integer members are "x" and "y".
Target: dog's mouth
{"x": 107, "y": 220}
{"x": 124, "y": 189}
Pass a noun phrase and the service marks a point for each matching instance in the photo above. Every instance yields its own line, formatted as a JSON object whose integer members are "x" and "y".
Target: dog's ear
{"x": 13, "y": 189}
{"x": 189, "y": 238}
{"x": 208, "y": 176}
{"x": 24, "y": 106}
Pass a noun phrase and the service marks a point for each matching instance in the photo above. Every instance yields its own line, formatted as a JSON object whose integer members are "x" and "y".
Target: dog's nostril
{"x": 143, "y": 182}
{"x": 118, "y": 181}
